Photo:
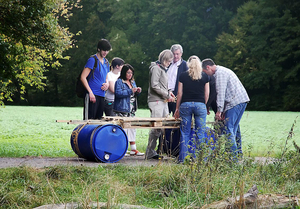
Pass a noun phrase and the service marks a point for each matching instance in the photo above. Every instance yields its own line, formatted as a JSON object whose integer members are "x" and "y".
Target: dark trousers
{"x": 108, "y": 108}
{"x": 172, "y": 107}
{"x": 93, "y": 110}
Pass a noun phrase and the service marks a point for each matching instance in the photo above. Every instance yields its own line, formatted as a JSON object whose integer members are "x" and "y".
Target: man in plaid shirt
{"x": 232, "y": 99}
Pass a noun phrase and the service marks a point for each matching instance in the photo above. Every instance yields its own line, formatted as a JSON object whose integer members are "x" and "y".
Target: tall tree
{"x": 263, "y": 49}
{"x": 31, "y": 40}
{"x": 138, "y": 30}
{"x": 156, "y": 25}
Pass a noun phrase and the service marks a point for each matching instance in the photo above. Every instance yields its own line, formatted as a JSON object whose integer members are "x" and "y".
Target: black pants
{"x": 172, "y": 108}
{"x": 95, "y": 110}
{"x": 108, "y": 108}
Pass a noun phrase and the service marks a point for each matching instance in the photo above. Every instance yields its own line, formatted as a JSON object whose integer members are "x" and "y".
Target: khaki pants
{"x": 158, "y": 109}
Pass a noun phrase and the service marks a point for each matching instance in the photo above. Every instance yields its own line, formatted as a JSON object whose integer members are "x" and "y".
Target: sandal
{"x": 136, "y": 152}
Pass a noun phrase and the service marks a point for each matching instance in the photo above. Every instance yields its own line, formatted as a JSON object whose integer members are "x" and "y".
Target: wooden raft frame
{"x": 130, "y": 122}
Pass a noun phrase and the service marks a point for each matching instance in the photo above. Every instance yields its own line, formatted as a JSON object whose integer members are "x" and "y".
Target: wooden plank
{"x": 62, "y": 121}
{"x": 158, "y": 127}
{"x": 138, "y": 119}
{"x": 157, "y": 124}
{"x": 132, "y": 122}
{"x": 126, "y": 125}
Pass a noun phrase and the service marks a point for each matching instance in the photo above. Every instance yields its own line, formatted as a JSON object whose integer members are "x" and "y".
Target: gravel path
{"x": 41, "y": 162}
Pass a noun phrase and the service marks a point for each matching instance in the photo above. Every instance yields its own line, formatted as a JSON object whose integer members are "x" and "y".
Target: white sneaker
{"x": 136, "y": 152}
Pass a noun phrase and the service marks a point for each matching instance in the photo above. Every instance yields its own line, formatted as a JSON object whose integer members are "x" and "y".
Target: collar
{"x": 126, "y": 82}
{"x": 178, "y": 63}
{"x": 161, "y": 66}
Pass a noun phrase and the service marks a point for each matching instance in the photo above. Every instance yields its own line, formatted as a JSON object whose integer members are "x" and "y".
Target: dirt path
{"x": 40, "y": 162}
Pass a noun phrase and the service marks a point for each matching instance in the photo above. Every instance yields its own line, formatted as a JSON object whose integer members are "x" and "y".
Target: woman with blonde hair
{"x": 192, "y": 95}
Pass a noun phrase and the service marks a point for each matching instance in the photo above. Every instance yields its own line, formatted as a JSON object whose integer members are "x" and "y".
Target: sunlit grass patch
{"x": 34, "y": 131}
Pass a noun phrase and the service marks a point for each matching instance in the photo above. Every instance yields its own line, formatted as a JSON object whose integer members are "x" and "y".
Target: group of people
{"x": 110, "y": 90}
{"x": 183, "y": 89}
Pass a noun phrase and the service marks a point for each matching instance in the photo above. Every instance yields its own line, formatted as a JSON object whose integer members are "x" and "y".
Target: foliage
{"x": 257, "y": 39}
{"x": 156, "y": 25}
{"x": 139, "y": 31}
{"x": 263, "y": 50}
{"x": 31, "y": 42}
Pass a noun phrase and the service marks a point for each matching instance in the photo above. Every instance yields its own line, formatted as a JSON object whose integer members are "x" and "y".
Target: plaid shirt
{"x": 230, "y": 90}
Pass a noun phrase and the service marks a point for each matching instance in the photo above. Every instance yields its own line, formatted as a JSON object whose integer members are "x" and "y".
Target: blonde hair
{"x": 195, "y": 67}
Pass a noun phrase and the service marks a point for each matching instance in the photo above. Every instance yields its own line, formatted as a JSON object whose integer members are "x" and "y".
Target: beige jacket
{"x": 158, "y": 83}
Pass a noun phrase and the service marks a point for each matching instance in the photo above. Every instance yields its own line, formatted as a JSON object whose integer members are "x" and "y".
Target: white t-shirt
{"x": 110, "y": 96}
{"x": 172, "y": 74}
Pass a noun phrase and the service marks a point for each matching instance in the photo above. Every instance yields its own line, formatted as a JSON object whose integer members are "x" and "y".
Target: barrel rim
{"x": 92, "y": 143}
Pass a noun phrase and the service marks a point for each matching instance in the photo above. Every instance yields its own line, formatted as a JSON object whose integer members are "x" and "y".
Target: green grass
{"x": 33, "y": 131}
{"x": 162, "y": 186}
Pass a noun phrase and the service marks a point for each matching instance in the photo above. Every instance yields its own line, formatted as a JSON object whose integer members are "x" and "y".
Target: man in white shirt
{"x": 175, "y": 69}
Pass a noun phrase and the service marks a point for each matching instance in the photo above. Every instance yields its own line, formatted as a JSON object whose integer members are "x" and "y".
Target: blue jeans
{"x": 232, "y": 128}
{"x": 187, "y": 110}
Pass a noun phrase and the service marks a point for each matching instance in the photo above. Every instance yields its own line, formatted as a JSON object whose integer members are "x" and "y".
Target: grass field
{"x": 33, "y": 131}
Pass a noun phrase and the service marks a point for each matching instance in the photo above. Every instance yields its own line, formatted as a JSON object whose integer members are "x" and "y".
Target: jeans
{"x": 187, "y": 110}
{"x": 232, "y": 128}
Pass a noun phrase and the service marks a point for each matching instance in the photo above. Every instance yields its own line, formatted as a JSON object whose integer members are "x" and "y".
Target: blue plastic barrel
{"x": 107, "y": 143}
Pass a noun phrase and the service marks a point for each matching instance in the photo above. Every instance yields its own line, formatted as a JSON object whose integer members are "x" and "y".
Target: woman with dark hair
{"x": 125, "y": 104}
{"x": 113, "y": 75}
{"x": 95, "y": 81}
{"x": 193, "y": 92}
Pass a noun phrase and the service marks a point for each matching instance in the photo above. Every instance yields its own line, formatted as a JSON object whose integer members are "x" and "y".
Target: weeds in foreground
{"x": 164, "y": 186}
{"x": 213, "y": 162}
